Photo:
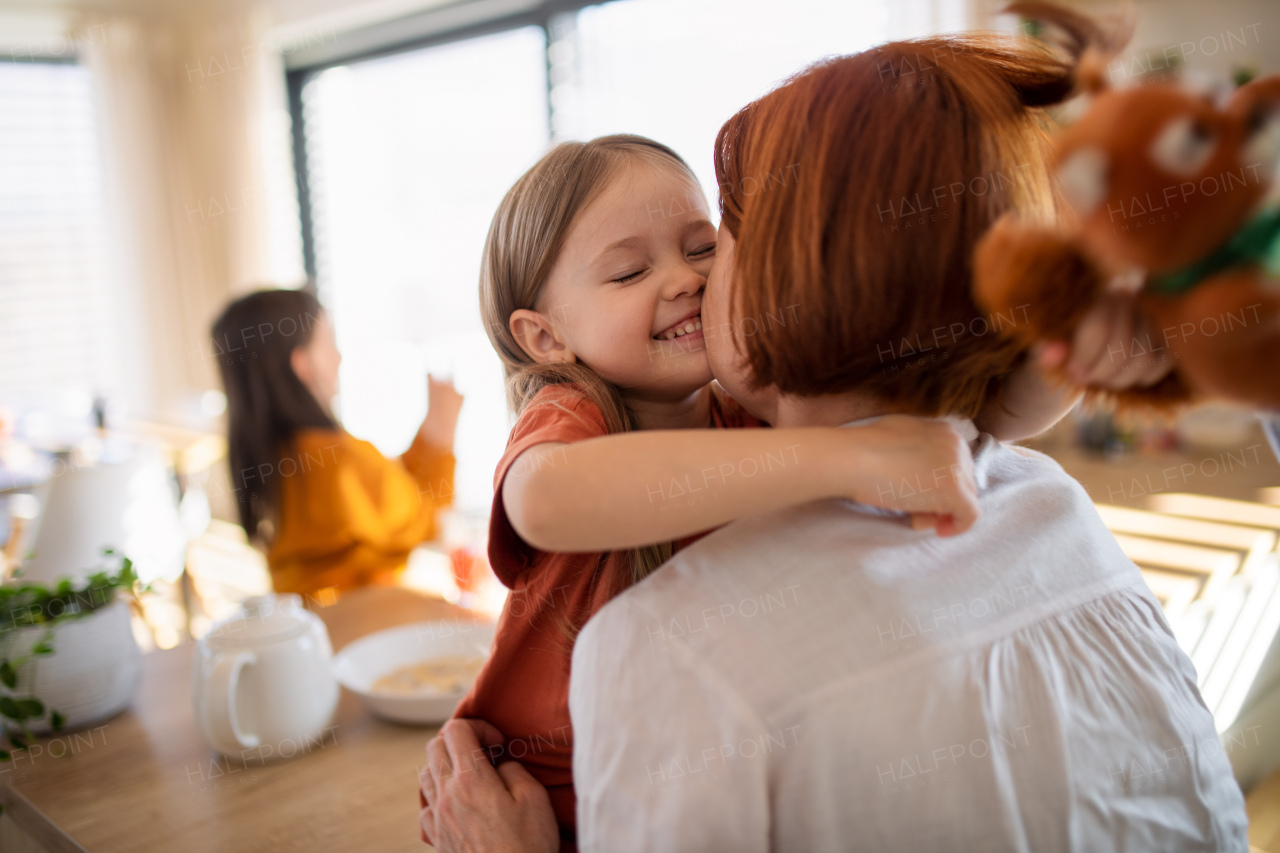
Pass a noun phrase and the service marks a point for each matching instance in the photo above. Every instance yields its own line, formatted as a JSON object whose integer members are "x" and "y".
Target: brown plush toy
{"x": 1168, "y": 189}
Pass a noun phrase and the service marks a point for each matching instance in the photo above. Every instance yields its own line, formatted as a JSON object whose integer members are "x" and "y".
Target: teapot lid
{"x": 264, "y": 619}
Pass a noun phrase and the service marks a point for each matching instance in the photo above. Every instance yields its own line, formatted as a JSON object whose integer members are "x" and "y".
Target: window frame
{"x": 542, "y": 15}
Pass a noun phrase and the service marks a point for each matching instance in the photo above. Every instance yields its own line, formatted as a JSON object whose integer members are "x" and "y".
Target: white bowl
{"x": 363, "y": 662}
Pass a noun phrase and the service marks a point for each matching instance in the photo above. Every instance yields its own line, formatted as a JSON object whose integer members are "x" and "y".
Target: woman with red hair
{"x": 826, "y": 678}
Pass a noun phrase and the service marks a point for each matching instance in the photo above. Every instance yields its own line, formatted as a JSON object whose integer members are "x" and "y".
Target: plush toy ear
{"x": 1083, "y": 175}
{"x": 1257, "y": 105}
{"x": 1260, "y": 95}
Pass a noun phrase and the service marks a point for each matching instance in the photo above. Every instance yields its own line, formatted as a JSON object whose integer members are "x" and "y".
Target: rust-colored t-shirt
{"x": 524, "y": 688}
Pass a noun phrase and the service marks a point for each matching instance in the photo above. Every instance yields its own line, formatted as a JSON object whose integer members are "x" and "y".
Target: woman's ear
{"x": 538, "y": 338}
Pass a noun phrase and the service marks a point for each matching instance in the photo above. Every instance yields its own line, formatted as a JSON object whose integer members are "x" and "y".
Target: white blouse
{"x": 825, "y": 678}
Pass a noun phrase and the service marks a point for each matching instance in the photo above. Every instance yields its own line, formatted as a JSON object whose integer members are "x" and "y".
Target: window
{"x": 56, "y": 332}
{"x": 409, "y": 155}
{"x": 408, "y": 158}
{"x": 675, "y": 71}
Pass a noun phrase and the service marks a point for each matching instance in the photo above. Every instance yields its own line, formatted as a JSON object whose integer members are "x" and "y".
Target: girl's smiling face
{"x": 624, "y": 296}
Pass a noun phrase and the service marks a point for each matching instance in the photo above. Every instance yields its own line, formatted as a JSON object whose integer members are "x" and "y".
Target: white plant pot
{"x": 93, "y": 673}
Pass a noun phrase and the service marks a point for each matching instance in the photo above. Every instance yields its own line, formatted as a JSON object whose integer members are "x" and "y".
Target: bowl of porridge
{"x": 416, "y": 673}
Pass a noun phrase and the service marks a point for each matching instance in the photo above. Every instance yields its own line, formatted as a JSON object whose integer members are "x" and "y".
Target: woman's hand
{"x": 443, "y": 405}
{"x": 469, "y": 805}
{"x": 1111, "y": 349}
{"x": 914, "y": 465}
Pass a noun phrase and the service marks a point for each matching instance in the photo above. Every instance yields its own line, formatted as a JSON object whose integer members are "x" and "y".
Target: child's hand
{"x": 1111, "y": 349}
{"x": 915, "y": 465}
{"x": 443, "y": 405}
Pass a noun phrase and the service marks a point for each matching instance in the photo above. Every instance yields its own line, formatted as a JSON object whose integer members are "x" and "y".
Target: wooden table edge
{"x": 36, "y": 823}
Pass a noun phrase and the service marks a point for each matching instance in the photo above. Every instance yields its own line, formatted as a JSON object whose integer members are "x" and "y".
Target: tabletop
{"x": 146, "y": 780}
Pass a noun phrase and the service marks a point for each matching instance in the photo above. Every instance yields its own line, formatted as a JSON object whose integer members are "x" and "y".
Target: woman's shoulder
{"x": 324, "y": 437}
{"x": 999, "y": 464}
{"x": 329, "y": 446}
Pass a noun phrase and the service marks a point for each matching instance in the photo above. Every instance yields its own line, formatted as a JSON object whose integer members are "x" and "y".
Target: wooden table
{"x": 1263, "y": 805}
{"x": 145, "y": 780}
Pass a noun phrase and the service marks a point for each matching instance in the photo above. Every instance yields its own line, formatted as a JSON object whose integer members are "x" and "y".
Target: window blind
{"x": 55, "y": 300}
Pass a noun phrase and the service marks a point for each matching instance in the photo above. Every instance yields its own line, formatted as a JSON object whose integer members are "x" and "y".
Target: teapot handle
{"x": 224, "y": 684}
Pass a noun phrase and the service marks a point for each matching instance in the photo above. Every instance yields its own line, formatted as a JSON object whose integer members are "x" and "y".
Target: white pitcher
{"x": 262, "y": 682}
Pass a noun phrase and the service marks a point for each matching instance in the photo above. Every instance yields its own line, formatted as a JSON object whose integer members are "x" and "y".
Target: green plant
{"x": 24, "y": 605}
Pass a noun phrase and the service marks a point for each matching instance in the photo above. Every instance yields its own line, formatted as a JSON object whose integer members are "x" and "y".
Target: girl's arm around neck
{"x": 639, "y": 488}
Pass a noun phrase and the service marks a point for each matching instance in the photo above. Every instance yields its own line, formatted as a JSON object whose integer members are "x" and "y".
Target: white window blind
{"x": 55, "y": 299}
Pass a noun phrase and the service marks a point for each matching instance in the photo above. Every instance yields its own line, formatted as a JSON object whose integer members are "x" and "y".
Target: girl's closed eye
{"x": 629, "y": 277}
{"x": 698, "y": 254}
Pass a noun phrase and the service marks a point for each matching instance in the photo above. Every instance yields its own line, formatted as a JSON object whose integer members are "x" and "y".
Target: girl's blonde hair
{"x": 524, "y": 241}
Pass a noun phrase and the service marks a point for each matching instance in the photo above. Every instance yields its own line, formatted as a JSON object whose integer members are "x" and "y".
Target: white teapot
{"x": 261, "y": 679}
